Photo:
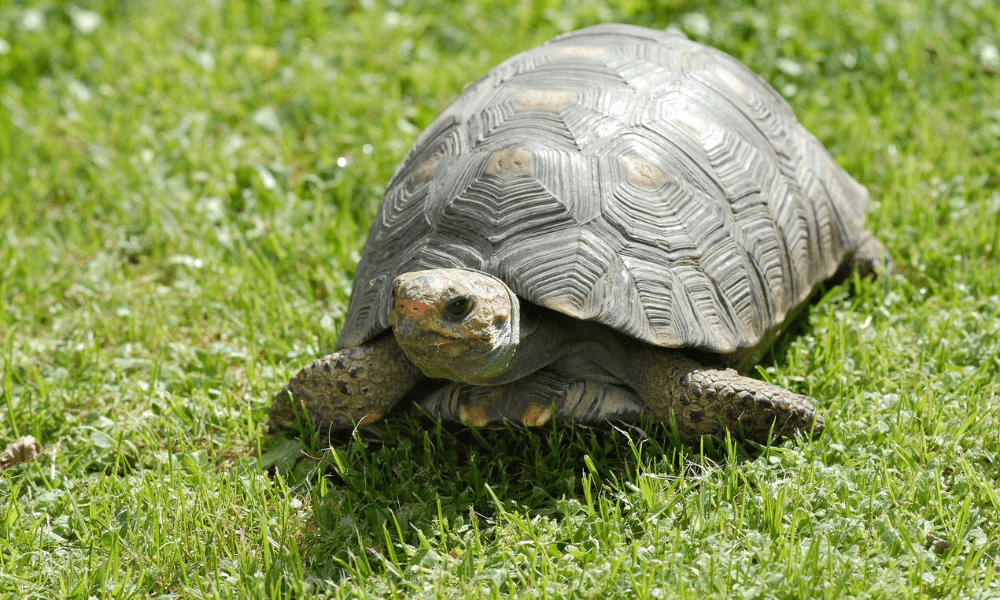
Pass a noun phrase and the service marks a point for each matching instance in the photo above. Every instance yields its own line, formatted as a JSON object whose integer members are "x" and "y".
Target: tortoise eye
{"x": 458, "y": 309}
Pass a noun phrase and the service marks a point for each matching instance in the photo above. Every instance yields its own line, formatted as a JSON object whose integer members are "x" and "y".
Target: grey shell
{"x": 626, "y": 176}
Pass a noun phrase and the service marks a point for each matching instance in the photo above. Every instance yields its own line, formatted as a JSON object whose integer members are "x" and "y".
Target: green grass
{"x": 185, "y": 186}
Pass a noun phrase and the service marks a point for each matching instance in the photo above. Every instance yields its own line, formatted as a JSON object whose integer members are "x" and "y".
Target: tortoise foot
{"x": 354, "y": 386}
{"x": 706, "y": 401}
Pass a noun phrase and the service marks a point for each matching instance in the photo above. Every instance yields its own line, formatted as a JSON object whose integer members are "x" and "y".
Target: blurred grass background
{"x": 184, "y": 190}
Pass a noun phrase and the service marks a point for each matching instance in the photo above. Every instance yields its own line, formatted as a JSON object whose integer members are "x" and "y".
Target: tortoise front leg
{"x": 705, "y": 401}
{"x": 534, "y": 401}
{"x": 351, "y": 386}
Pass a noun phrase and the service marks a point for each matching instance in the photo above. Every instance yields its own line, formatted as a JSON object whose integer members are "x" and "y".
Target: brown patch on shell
{"x": 693, "y": 123}
{"x": 508, "y": 162}
{"x": 546, "y": 100}
{"x": 643, "y": 173}
{"x": 564, "y": 304}
{"x": 424, "y": 171}
{"x": 731, "y": 80}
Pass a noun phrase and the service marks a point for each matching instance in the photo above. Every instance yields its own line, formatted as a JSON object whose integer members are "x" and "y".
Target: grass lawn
{"x": 184, "y": 190}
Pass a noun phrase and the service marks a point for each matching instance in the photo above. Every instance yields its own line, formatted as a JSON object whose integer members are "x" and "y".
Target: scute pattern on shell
{"x": 626, "y": 176}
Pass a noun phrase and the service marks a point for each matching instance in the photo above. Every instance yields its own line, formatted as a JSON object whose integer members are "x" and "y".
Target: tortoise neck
{"x": 543, "y": 338}
{"x": 546, "y": 336}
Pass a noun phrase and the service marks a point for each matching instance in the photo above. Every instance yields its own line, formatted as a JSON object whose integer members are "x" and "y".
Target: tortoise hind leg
{"x": 869, "y": 258}
{"x": 351, "y": 386}
{"x": 707, "y": 401}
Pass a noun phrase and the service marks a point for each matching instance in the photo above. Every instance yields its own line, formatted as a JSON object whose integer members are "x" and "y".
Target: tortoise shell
{"x": 626, "y": 176}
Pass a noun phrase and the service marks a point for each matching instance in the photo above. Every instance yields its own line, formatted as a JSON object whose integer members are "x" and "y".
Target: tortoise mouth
{"x": 456, "y": 324}
{"x": 457, "y": 359}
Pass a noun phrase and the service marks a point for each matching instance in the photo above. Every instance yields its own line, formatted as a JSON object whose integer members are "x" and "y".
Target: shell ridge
{"x": 506, "y": 127}
{"x": 749, "y": 182}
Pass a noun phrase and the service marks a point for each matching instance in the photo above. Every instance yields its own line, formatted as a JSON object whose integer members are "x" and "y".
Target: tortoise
{"x": 600, "y": 229}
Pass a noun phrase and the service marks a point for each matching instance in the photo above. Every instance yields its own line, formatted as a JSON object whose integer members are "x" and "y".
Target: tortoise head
{"x": 456, "y": 324}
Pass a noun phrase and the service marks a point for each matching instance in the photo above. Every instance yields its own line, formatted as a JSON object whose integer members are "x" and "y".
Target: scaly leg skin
{"x": 707, "y": 401}
{"x": 349, "y": 387}
{"x": 870, "y": 257}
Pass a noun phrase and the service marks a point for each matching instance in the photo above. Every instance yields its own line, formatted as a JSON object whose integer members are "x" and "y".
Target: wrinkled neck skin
{"x": 538, "y": 344}
{"x": 546, "y": 336}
